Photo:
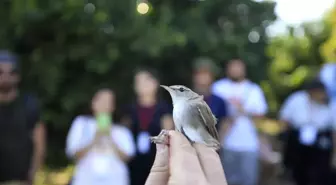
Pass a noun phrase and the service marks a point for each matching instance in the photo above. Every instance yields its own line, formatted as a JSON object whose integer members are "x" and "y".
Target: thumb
{"x": 159, "y": 173}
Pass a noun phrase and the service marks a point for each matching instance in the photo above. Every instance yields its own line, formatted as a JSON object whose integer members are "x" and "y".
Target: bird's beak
{"x": 165, "y": 87}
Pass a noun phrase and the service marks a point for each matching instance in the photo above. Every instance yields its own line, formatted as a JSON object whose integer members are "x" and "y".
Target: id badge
{"x": 308, "y": 135}
{"x": 143, "y": 142}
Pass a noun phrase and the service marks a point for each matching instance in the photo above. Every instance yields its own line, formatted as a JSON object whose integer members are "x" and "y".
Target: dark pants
{"x": 310, "y": 165}
{"x": 140, "y": 168}
{"x": 313, "y": 166}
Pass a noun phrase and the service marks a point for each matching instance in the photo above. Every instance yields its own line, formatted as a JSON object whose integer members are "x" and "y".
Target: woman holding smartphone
{"x": 100, "y": 148}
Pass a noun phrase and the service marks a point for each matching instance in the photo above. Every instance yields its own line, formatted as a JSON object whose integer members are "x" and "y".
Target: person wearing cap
{"x": 204, "y": 73}
{"x": 22, "y": 134}
{"x": 311, "y": 138}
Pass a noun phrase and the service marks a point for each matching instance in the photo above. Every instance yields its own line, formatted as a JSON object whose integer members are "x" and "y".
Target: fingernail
{"x": 160, "y": 147}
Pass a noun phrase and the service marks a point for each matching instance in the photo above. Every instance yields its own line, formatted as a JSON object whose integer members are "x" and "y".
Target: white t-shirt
{"x": 243, "y": 135}
{"x": 299, "y": 111}
{"x": 99, "y": 168}
{"x": 308, "y": 117}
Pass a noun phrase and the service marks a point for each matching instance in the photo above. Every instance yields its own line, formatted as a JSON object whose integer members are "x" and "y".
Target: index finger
{"x": 185, "y": 168}
{"x": 211, "y": 164}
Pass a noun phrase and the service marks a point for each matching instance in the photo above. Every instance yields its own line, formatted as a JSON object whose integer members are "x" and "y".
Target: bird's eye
{"x": 181, "y": 89}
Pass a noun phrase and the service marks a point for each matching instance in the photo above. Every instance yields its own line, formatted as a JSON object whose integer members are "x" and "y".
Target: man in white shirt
{"x": 240, "y": 139}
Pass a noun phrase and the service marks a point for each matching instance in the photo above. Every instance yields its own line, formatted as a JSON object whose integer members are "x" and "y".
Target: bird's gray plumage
{"x": 192, "y": 116}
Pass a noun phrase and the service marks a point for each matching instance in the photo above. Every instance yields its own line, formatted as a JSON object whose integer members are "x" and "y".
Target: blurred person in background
{"x": 146, "y": 117}
{"x": 204, "y": 72}
{"x": 101, "y": 152}
{"x": 311, "y": 125}
{"x": 240, "y": 142}
{"x": 22, "y": 134}
{"x": 328, "y": 78}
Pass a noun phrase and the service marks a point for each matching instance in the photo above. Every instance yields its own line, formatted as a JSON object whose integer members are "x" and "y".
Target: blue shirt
{"x": 218, "y": 106}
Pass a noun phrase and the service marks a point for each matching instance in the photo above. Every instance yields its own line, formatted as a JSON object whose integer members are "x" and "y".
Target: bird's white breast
{"x": 181, "y": 116}
{"x": 180, "y": 109}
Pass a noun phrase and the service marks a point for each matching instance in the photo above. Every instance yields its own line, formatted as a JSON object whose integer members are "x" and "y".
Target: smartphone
{"x": 103, "y": 121}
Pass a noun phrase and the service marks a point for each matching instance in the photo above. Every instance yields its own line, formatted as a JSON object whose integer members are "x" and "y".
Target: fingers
{"x": 211, "y": 164}
{"x": 159, "y": 173}
{"x": 185, "y": 168}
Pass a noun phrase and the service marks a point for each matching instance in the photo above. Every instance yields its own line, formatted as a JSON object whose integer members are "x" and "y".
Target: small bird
{"x": 192, "y": 117}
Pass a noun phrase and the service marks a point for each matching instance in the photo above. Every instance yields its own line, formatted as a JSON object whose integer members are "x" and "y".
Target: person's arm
{"x": 123, "y": 144}
{"x": 123, "y": 156}
{"x": 39, "y": 140}
{"x": 75, "y": 147}
{"x": 38, "y": 135}
{"x": 256, "y": 105}
{"x": 82, "y": 151}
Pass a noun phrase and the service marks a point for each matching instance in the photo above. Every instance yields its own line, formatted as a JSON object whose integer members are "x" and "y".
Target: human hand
{"x": 100, "y": 134}
{"x": 240, "y": 108}
{"x": 181, "y": 163}
{"x": 237, "y": 104}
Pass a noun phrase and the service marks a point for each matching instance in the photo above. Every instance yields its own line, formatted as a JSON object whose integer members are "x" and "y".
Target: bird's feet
{"x": 162, "y": 138}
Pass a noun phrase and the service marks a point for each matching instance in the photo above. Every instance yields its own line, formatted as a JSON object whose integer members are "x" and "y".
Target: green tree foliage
{"x": 69, "y": 47}
{"x": 328, "y": 49}
{"x": 298, "y": 56}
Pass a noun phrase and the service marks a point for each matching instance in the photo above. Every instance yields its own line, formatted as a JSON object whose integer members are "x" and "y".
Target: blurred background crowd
{"x": 266, "y": 69}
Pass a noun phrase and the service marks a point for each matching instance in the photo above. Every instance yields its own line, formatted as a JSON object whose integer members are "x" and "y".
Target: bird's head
{"x": 180, "y": 93}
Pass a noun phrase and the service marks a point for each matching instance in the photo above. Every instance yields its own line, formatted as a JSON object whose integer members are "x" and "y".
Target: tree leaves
{"x": 298, "y": 56}
{"x": 70, "y": 47}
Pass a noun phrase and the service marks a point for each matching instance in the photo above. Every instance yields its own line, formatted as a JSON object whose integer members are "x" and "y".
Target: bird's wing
{"x": 208, "y": 119}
